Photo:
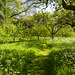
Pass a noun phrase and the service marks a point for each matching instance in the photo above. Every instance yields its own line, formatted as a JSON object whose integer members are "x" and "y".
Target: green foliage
{"x": 65, "y": 32}
{"x": 61, "y": 59}
{"x": 15, "y": 62}
{"x": 17, "y": 57}
{"x": 60, "y": 62}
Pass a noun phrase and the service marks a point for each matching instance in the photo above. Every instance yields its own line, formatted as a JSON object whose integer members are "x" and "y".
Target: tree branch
{"x": 48, "y": 28}
{"x": 26, "y": 9}
{"x": 60, "y": 27}
{"x": 68, "y": 6}
{"x": 68, "y": 23}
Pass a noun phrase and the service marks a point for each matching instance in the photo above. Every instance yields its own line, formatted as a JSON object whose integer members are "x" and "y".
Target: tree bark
{"x": 68, "y": 6}
{"x": 38, "y": 38}
{"x": 52, "y": 34}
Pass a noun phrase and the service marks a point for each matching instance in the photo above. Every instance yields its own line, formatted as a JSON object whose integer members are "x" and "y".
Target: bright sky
{"x": 48, "y": 9}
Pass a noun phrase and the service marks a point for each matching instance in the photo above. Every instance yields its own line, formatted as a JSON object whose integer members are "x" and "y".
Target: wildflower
{"x": 8, "y": 61}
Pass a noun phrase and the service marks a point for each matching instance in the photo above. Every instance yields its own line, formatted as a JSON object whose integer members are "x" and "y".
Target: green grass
{"x": 61, "y": 58}
{"x": 49, "y": 57}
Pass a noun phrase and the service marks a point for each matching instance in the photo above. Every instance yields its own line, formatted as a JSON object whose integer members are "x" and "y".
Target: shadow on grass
{"x": 36, "y": 44}
{"x": 60, "y": 62}
{"x": 1, "y": 42}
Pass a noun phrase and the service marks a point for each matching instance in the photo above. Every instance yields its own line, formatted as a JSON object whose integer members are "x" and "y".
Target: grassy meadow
{"x": 33, "y": 57}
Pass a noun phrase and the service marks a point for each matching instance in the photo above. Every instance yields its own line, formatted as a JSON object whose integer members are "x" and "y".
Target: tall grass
{"x": 61, "y": 59}
{"x": 13, "y": 62}
{"x": 16, "y": 57}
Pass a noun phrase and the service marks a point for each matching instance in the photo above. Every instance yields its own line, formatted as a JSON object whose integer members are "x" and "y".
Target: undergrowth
{"x": 16, "y": 57}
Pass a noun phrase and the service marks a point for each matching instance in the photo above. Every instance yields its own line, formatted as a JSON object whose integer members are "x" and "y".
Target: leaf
{"x": 53, "y": 4}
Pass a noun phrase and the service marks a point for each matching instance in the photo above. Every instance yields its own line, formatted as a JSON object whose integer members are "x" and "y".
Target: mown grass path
{"x": 36, "y": 68}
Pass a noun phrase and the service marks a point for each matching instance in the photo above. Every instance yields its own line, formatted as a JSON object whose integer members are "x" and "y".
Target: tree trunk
{"x": 52, "y": 34}
{"x": 38, "y": 38}
{"x": 14, "y": 38}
